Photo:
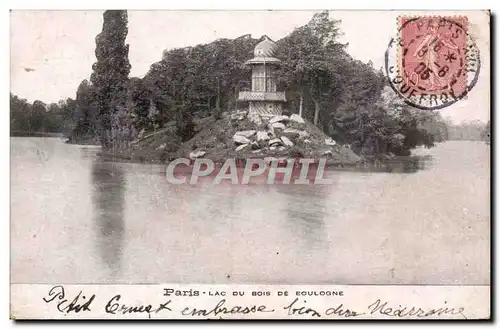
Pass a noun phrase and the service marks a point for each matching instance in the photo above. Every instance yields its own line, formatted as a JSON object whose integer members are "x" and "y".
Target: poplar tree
{"x": 110, "y": 78}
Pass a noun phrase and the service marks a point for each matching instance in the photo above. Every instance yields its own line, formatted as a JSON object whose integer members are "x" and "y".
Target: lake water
{"x": 76, "y": 219}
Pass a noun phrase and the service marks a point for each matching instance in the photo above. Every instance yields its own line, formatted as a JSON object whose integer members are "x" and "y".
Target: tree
{"x": 310, "y": 54}
{"x": 86, "y": 115}
{"x": 110, "y": 78}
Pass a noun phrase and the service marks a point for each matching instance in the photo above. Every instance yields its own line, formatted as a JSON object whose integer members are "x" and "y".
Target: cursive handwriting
{"x": 404, "y": 311}
{"x": 340, "y": 311}
{"x": 79, "y": 303}
{"x": 301, "y": 310}
{"x": 113, "y": 306}
{"x": 220, "y": 309}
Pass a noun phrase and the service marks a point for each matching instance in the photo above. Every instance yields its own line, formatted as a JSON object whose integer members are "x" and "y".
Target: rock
{"x": 255, "y": 118}
{"x": 330, "y": 142}
{"x": 239, "y": 139}
{"x": 291, "y": 132}
{"x": 278, "y": 118}
{"x": 275, "y": 141}
{"x": 241, "y": 147}
{"x": 255, "y": 146}
{"x": 278, "y": 125}
{"x": 241, "y": 112}
{"x": 162, "y": 146}
{"x": 257, "y": 151}
{"x": 281, "y": 148}
{"x": 328, "y": 152}
{"x": 270, "y": 130}
{"x": 237, "y": 117}
{"x": 297, "y": 118}
{"x": 303, "y": 134}
{"x": 246, "y": 133}
{"x": 286, "y": 141}
{"x": 262, "y": 136}
{"x": 196, "y": 154}
{"x": 307, "y": 141}
{"x": 272, "y": 148}
{"x": 262, "y": 144}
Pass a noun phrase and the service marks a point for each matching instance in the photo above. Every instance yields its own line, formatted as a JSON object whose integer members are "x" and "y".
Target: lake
{"x": 77, "y": 219}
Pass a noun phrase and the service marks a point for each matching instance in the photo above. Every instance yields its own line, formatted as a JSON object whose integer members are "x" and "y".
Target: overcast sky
{"x": 53, "y": 51}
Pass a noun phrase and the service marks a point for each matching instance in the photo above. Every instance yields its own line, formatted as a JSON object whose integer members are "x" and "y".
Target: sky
{"x": 53, "y": 51}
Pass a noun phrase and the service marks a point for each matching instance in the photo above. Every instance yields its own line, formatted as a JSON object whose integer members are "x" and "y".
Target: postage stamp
{"x": 250, "y": 165}
{"x": 433, "y": 62}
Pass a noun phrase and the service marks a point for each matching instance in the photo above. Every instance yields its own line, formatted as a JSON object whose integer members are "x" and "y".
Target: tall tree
{"x": 110, "y": 78}
{"x": 311, "y": 53}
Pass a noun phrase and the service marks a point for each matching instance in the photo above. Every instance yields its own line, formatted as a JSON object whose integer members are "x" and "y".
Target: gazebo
{"x": 263, "y": 99}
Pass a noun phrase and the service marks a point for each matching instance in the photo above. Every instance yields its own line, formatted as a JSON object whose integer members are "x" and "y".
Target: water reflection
{"x": 305, "y": 211}
{"x": 108, "y": 184}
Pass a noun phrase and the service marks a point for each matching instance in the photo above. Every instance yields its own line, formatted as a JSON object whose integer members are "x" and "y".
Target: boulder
{"x": 256, "y": 151}
{"x": 286, "y": 141}
{"x": 241, "y": 147}
{"x": 239, "y": 139}
{"x": 255, "y": 118}
{"x": 330, "y": 142}
{"x": 291, "y": 132}
{"x": 303, "y": 134}
{"x": 270, "y": 130}
{"x": 262, "y": 136}
{"x": 307, "y": 141}
{"x": 196, "y": 154}
{"x": 255, "y": 146}
{"x": 279, "y": 118}
{"x": 297, "y": 118}
{"x": 262, "y": 144}
{"x": 246, "y": 133}
{"x": 328, "y": 152}
{"x": 275, "y": 141}
{"x": 272, "y": 148}
{"x": 281, "y": 148}
{"x": 278, "y": 125}
{"x": 162, "y": 146}
{"x": 237, "y": 117}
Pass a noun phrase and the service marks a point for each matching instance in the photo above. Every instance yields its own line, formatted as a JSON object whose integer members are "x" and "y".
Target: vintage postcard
{"x": 250, "y": 164}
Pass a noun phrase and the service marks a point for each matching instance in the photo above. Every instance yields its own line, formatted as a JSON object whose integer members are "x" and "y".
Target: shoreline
{"x": 413, "y": 161}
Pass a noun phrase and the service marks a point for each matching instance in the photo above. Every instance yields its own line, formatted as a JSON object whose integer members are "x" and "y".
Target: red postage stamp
{"x": 436, "y": 61}
{"x": 433, "y": 56}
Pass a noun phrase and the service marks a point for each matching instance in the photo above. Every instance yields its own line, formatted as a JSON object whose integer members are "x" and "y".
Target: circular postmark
{"x": 433, "y": 62}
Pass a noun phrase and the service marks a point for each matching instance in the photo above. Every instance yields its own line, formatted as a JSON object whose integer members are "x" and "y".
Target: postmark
{"x": 433, "y": 61}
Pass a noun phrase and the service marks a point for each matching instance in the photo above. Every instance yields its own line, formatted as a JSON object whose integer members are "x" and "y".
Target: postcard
{"x": 321, "y": 165}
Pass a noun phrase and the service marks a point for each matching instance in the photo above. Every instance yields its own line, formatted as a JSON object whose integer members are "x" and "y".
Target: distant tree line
{"x": 38, "y": 117}
{"x": 469, "y": 130}
{"x": 347, "y": 99}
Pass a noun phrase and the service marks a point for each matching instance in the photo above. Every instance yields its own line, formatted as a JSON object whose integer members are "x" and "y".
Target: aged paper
{"x": 250, "y": 164}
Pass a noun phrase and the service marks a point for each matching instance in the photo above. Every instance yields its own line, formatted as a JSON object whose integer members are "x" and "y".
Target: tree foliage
{"x": 38, "y": 117}
{"x": 110, "y": 79}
